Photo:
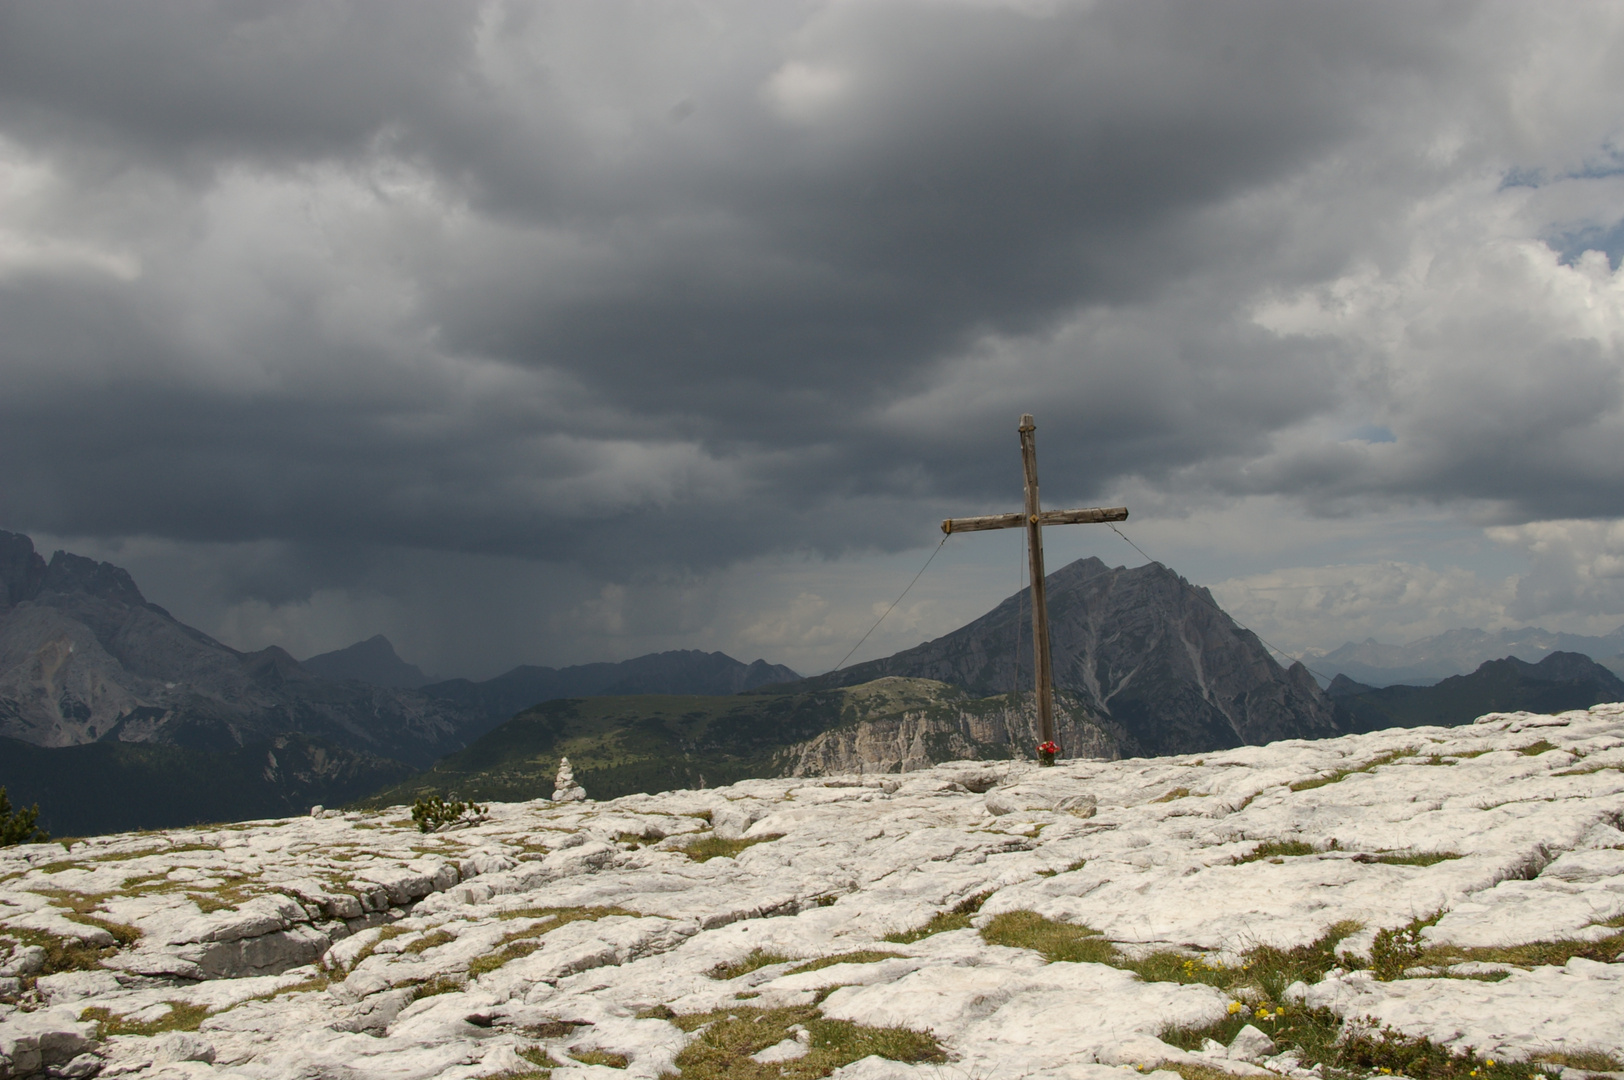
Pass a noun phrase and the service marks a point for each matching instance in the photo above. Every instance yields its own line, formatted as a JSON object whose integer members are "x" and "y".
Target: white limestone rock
{"x": 590, "y": 937}
{"x": 1250, "y": 1044}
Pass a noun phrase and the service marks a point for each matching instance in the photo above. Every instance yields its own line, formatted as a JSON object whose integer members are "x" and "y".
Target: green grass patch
{"x": 1537, "y": 748}
{"x": 539, "y": 1057}
{"x": 939, "y": 923}
{"x": 1277, "y": 849}
{"x": 1357, "y": 1049}
{"x": 440, "y": 984}
{"x": 80, "y": 908}
{"x": 564, "y": 915}
{"x": 757, "y": 959}
{"x": 1176, "y": 793}
{"x": 1528, "y": 955}
{"x": 1053, "y": 940}
{"x": 319, "y": 982}
{"x": 600, "y": 1057}
{"x": 1342, "y": 774}
{"x": 861, "y": 956}
{"x": 1398, "y": 948}
{"x": 710, "y": 846}
{"x": 955, "y": 918}
{"x": 61, "y": 953}
{"x": 1588, "y": 1060}
{"x": 429, "y": 941}
{"x": 1267, "y": 970}
{"x": 1400, "y": 858}
{"x": 181, "y": 1017}
{"x": 722, "y": 1051}
{"x": 524, "y": 942}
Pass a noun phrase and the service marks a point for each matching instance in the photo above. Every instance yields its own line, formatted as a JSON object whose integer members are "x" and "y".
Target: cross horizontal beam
{"x": 1089, "y": 515}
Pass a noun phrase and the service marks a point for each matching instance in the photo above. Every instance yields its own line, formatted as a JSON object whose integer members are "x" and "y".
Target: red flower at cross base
{"x": 1048, "y": 748}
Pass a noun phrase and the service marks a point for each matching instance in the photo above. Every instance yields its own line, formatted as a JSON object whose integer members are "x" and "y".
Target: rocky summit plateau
{"x": 1435, "y": 901}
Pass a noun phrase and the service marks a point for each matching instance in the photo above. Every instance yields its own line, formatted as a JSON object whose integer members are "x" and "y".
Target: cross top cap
{"x": 1026, "y": 422}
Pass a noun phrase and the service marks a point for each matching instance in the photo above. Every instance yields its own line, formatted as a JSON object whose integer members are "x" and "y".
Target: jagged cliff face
{"x": 1140, "y": 649}
{"x": 84, "y": 657}
{"x": 910, "y": 724}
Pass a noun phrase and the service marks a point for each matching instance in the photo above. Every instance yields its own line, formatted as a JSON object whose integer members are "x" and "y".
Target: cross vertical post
{"x": 1041, "y": 672}
{"x": 1033, "y": 519}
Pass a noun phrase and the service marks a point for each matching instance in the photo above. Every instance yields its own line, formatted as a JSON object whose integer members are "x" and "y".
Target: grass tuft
{"x": 957, "y": 918}
{"x": 522, "y": 943}
{"x": 600, "y": 1057}
{"x": 722, "y": 1050}
{"x": 1342, "y": 774}
{"x": 757, "y": 959}
{"x": 710, "y": 846}
{"x": 1588, "y": 1060}
{"x": 1056, "y": 941}
{"x": 440, "y": 984}
{"x": 1398, "y": 948}
{"x": 1418, "y": 858}
{"x": 861, "y": 956}
{"x": 429, "y": 941}
{"x": 181, "y": 1017}
{"x": 1277, "y": 849}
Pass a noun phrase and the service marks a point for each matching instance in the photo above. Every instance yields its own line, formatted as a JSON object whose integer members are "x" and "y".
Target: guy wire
{"x": 890, "y": 609}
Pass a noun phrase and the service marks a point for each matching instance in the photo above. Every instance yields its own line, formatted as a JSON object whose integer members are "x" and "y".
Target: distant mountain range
{"x": 646, "y": 743}
{"x": 370, "y": 661}
{"x": 113, "y": 714}
{"x": 84, "y": 658}
{"x": 1142, "y": 649}
{"x": 1456, "y": 652}
{"x": 686, "y": 671}
{"x": 1560, "y": 682}
{"x": 86, "y": 661}
{"x": 1145, "y": 663}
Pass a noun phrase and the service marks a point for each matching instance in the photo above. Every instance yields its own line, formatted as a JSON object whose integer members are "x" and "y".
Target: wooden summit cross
{"x": 1034, "y": 518}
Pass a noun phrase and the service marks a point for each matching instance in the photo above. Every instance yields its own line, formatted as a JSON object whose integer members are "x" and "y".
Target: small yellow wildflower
{"x": 1235, "y": 1007}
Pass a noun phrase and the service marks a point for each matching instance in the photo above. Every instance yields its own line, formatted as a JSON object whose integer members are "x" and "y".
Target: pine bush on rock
{"x": 19, "y": 826}
{"x": 433, "y": 813}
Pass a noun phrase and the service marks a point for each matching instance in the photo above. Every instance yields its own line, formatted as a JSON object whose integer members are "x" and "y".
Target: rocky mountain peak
{"x": 69, "y": 573}
{"x": 371, "y": 661}
{"x": 1140, "y": 648}
{"x": 21, "y": 569}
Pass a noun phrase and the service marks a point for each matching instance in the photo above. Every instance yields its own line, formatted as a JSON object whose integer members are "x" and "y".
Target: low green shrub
{"x": 1398, "y": 948}
{"x": 434, "y": 812}
{"x": 19, "y": 826}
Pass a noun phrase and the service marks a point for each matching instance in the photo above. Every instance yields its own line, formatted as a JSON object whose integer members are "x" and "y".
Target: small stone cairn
{"x": 565, "y": 789}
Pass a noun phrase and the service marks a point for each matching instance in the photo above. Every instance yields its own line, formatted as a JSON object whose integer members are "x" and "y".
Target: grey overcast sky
{"x": 529, "y": 332}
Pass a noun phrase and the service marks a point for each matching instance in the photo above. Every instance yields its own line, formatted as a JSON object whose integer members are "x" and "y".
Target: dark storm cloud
{"x": 673, "y": 286}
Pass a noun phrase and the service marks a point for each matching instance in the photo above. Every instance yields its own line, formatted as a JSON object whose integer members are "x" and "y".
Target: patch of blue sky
{"x": 1608, "y": 239}
{"x": 1608, "y": 161}
{"x": 1520, "y": 177}
{"x": 1373, "y": 433}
